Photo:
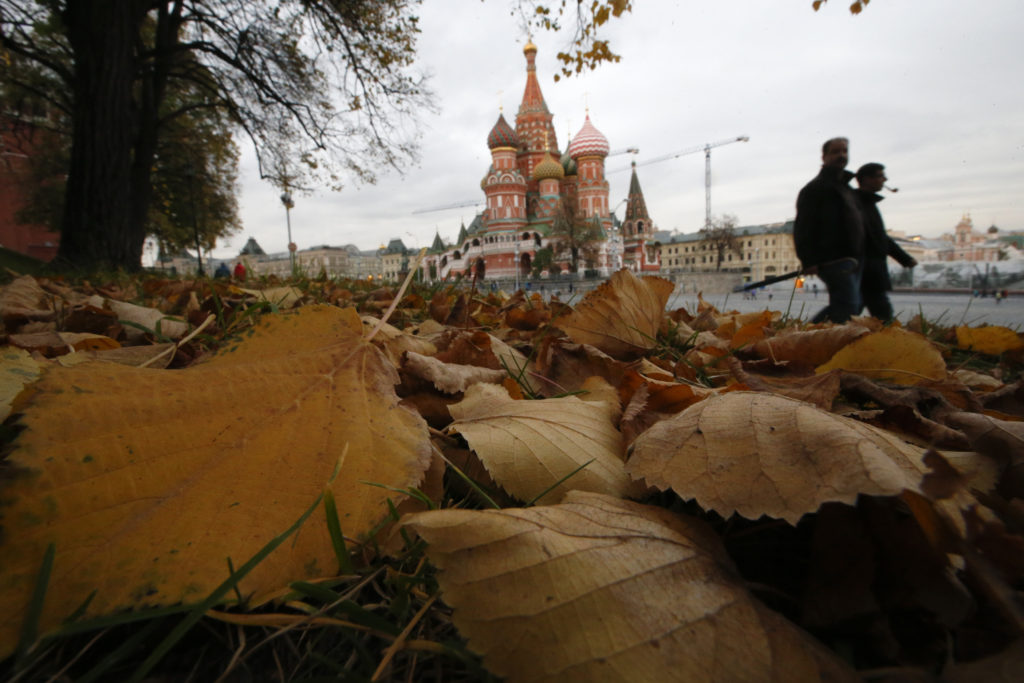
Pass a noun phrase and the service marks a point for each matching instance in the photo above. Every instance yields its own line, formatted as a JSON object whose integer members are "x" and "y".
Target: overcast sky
{"x": 930, "y": 88}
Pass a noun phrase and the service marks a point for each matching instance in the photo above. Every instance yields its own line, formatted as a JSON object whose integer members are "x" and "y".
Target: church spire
{"x": 533, "y": 121}
{"x": 636, "y": 207}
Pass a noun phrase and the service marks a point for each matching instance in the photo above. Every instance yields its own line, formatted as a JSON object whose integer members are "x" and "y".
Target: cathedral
{"x": 547, "y": 213}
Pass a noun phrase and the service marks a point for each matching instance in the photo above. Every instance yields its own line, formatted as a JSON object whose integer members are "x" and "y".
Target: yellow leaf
{"x": 621, "y": 317}
{"x": 762, "y": 454}
{"x": 893, "y": 355}
{"x": 147, "y": 480}
{"x": 528, "y": 446}
{"x": 990, "y": 339}
{"x": 601, "y": 589}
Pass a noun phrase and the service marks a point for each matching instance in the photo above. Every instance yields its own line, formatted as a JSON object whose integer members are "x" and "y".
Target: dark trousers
{"x": 874, "y": 288}
{"x": 843, "y": 281}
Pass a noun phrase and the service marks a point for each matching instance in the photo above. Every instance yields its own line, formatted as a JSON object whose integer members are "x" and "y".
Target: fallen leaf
{"x": 146, "y": 480}
{"x": 976, "y": 380}
{"x": 49, "y": 343}
{"x": 819, "y": 390}
{"x": 451, "y": 378}
{"x": 990, "y": 339}
{"x": 151, "y": 319}
{"x": 23, "y": 299}
{"x": 808, "y": 347}
{"x": 622, "y": 316}
{"x": 529, "y": 446}
{"x": 86, "y": 341}
{"x": 760, "y": 454}
{"x": 893, "y": 355}
{"x": 600, "y": 589}
{"x": 282, "y": 297}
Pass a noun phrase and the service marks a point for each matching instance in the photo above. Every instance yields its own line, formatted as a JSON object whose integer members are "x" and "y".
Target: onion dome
{"x": 529, "y": 47}
{"x": 568, "y": 164}
{"x": 549, "y": 167}
{"x": 502, "y": 135}
{"x": 588, "y": 142}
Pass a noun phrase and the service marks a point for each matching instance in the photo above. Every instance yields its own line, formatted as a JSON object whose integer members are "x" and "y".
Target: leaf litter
{"x": 809, "y": 524}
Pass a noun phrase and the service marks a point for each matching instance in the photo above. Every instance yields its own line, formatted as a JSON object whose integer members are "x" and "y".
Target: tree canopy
{"x": 323, "y": 89}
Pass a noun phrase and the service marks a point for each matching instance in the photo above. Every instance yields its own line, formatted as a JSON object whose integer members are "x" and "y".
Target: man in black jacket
{"x": 875, "y": 284}
{"x": 829, "y": 233}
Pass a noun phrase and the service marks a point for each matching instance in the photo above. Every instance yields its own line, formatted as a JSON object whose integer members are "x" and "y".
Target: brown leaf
{"x": 819, "y": 390}
{"x": 621, "y": 317}
{"x": 761, "y": 454}
{"x": 808, "y": 348}
{"x": 604, "y": 589}
{"x": 451, "y": 378}
{"x": 529, "y": 446}
{"x": 146, "y": 480}
{"x": 23, "y": 299}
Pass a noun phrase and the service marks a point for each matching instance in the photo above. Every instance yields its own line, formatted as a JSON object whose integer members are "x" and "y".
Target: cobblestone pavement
{"x": 944, "y": 309}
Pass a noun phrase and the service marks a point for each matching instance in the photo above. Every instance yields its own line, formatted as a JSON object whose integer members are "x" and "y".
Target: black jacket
{"x": 878, "y": 244}
{"x": 828, "y": 223}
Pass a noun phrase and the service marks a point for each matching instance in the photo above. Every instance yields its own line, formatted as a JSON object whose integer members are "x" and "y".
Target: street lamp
{"x": 286, "y": 199}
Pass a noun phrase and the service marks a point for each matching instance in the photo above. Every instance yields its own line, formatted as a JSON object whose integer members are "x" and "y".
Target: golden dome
{"x": 549, "y": 167}
{"x": 529, "y": 47}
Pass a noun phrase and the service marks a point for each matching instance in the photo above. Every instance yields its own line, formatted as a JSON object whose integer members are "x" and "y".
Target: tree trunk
{"x": 98, "y": 228}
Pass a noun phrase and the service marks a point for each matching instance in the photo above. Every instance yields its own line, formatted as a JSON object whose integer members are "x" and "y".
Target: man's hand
{"x": 911, "y": 263}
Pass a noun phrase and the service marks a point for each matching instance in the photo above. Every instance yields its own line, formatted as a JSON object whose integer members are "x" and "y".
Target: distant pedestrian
{"x": 878, "y": 246}
{"x": 240, "y": 271}
{"x": 829, "y": 233}
{"x": 814, "y": 288}
{"x": 222, "y": 271}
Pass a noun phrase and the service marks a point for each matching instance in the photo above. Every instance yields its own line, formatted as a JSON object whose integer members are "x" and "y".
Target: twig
{"x": 398, "y": 297}
{"x": 180, "y": 343}
{"x": 401, "y": 639}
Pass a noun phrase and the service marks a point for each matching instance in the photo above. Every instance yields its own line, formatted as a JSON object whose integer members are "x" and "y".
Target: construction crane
{"x": 478, "y": 202}
{"x": 706, "y": 148}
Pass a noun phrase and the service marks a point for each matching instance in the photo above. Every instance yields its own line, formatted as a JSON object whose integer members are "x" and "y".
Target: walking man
{"x": 878, "y": 246}
{"x": 829, "y": 233}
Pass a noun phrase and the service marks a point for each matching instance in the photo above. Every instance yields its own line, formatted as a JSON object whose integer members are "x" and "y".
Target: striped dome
{"x": 502, "y": 135}
{"x": 588, "y": 142}
{"x": 549, "y": 167}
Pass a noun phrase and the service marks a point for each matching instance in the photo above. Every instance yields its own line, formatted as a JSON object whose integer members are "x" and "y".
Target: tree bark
{"x": 98, "y": 228}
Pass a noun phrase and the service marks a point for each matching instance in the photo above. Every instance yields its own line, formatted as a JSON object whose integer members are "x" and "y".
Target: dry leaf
{"x": 149, "y": 318}
{"x": 893, "y": 355}
{"x": 146, "y": 480}
{"x": 528, "y": 446}
{"x": 820, "y": 390}
{"x": 394, "y": 341}
{"x": 976, "y": 380}
{"x": 761, "y": 454}
{"x": 621, "y": 317}
{"x": 282, "y": 297}
{"x": 990, "y": 339}
{"x": 450, "y": 378}
{"x": 23, "y": 299}
{"x": 600, "y": 589}
{"x": 808, "y": 348}
{"x": 86, "y": 341}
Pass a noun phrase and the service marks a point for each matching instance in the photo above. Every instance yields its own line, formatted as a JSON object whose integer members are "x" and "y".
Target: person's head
{"x": 835, "y": 153}
{"x": 871, "y": 177}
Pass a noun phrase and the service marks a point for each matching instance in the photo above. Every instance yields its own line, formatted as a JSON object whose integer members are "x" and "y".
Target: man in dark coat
{"x": 875, "y": 284}
{"x": 829, "y": 233}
